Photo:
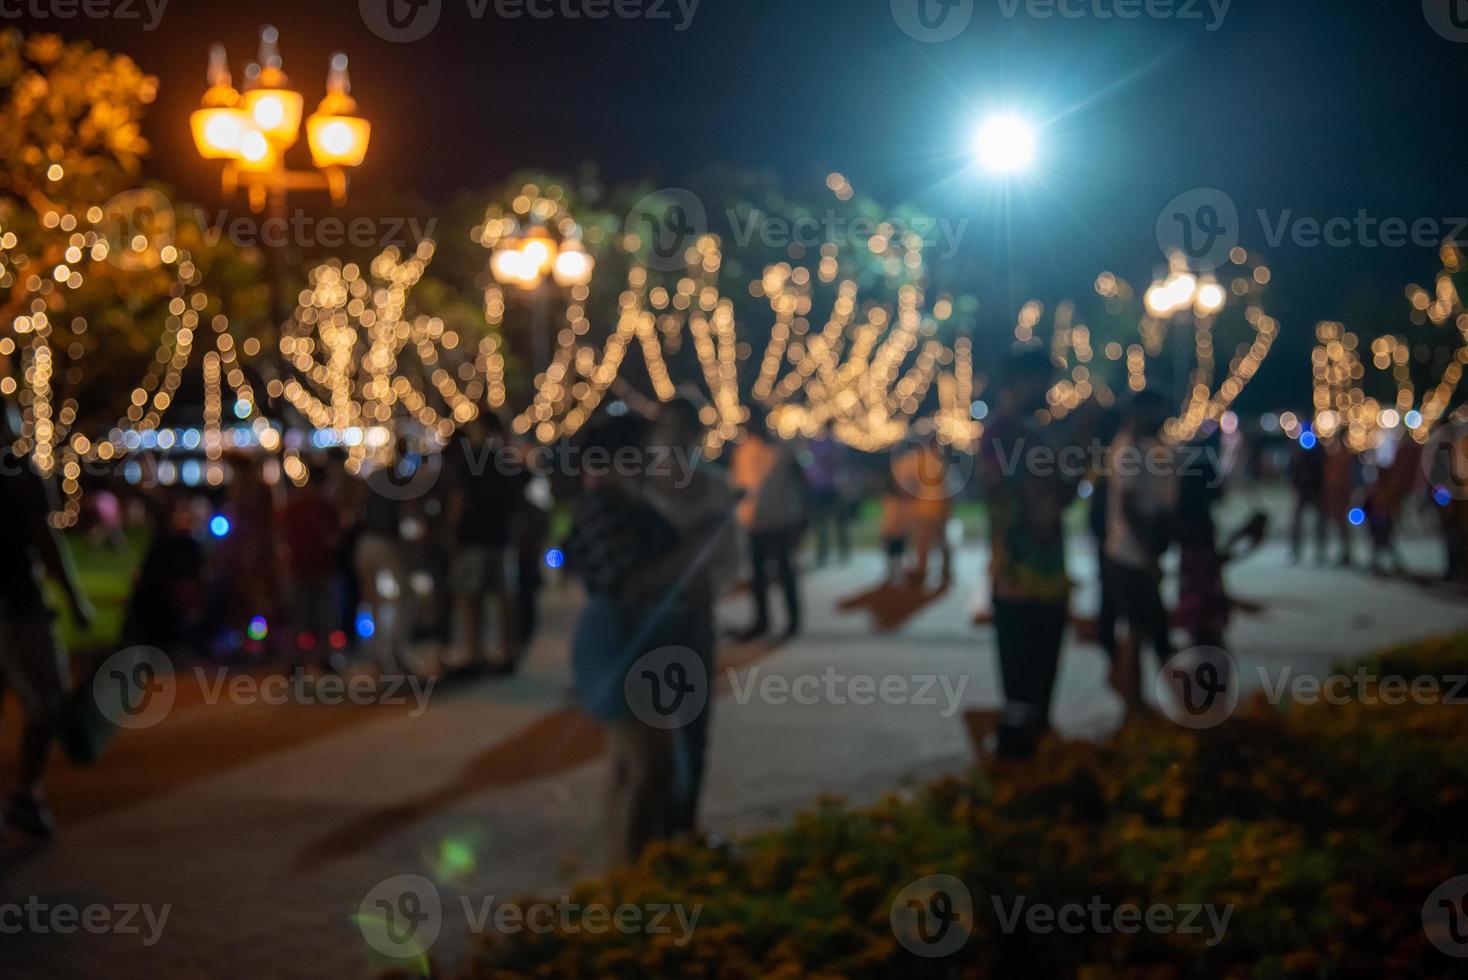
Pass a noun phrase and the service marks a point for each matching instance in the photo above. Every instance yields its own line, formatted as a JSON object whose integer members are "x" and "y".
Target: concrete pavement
{"x": 277, "y": 820}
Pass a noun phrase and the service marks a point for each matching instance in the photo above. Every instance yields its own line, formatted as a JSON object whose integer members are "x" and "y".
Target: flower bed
{"x": 1325, "y": 827}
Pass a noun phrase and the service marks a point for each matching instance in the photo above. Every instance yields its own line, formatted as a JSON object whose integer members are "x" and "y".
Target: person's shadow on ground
{"x": 893, "y": 605}
{"x": 550, "y": 745}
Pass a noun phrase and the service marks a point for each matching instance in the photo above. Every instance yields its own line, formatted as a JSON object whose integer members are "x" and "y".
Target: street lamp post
{"x": 524, "y": 261}
{"x": 251, "y": 133}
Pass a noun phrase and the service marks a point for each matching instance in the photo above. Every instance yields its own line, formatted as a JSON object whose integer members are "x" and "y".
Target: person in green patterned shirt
{"x": 1027, "y": 495}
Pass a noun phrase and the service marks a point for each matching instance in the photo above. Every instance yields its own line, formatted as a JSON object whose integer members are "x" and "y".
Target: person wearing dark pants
{"x": 1029, "y": 634}
{"x": 1031, "y": 590}
{"x": 777, "y": 548}
{"x": 773, "y": 512}
{"x": 694, "y": 499}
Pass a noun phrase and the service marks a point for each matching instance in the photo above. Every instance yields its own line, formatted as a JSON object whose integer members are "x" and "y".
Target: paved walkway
{"x": 262, "y": 828}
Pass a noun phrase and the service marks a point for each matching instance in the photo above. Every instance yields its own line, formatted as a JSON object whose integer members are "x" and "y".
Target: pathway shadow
{"x": 892, "y": 605}
{"x": 552, "y": 744}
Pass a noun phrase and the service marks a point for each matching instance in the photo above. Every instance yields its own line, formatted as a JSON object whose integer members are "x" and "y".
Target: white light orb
{"x": 1005, "y": 144}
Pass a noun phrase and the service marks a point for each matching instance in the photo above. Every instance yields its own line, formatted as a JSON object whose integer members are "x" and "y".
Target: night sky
{"x": 1324, "y": 109}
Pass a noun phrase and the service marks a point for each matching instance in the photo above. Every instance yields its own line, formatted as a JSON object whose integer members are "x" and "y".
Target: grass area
{"x": 1323, "y": 831}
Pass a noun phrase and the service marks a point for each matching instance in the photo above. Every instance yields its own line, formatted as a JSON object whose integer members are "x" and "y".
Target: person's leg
{"x": 1047, "y": 624}
{"x": 690, "y": 743}
{"x": 945, "y": 552}
{"x": 1318, "y": 513}
{"x": 842, "y": 517}
{"x": 922, "y": 544}
{"x": 1343, "y": 531}
{"x": 1029, "y": 636}
{"x": 1297, "y": 530}
{"x": 642, "y": 764}
{"x": 821, "y": 517}
{"x": 1106, "y": 612}
{"x": 785, "y": 566}
{"x": 759, "y": 555}
{"x": 1156, "y": 620}
{"x": 35, "y": 666}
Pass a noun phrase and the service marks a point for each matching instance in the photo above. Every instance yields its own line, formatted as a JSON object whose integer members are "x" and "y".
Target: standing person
{"x": 1108, "y": 422}
{"x": 380, "y": 562}
{"x": 312, "y": 528}
{"x": 1307, "y": 479}
{"x": 697, "y": 501}
{"x": 922, "y": 476}
{"x": 894, "y": 524}
{"x": 826, "y": 475}
{"x": 1448, "y": 471}
{"x": 247, "y": 557}
{"x": 166, "y": 605}
{"x": 1139, "y": 513}
{"x": 32, "y": 660}
{"x": 1031, "y": 590}
{"x": 531, "y": 532}
{"x": 1203, "y": 604}
{"x": 633, "y": 564}
{"x": 1338, "y": 487}
{"x": 1394, "y": 483}
{"x": 773, "y": 514}
{"x": 487, "y": 493}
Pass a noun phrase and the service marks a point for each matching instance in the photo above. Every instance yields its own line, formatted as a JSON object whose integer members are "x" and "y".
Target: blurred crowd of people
{"x": 435, "y": 563}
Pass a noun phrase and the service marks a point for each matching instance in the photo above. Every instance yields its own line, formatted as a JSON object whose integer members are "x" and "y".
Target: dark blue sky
{"x": 1319, "y": 109}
